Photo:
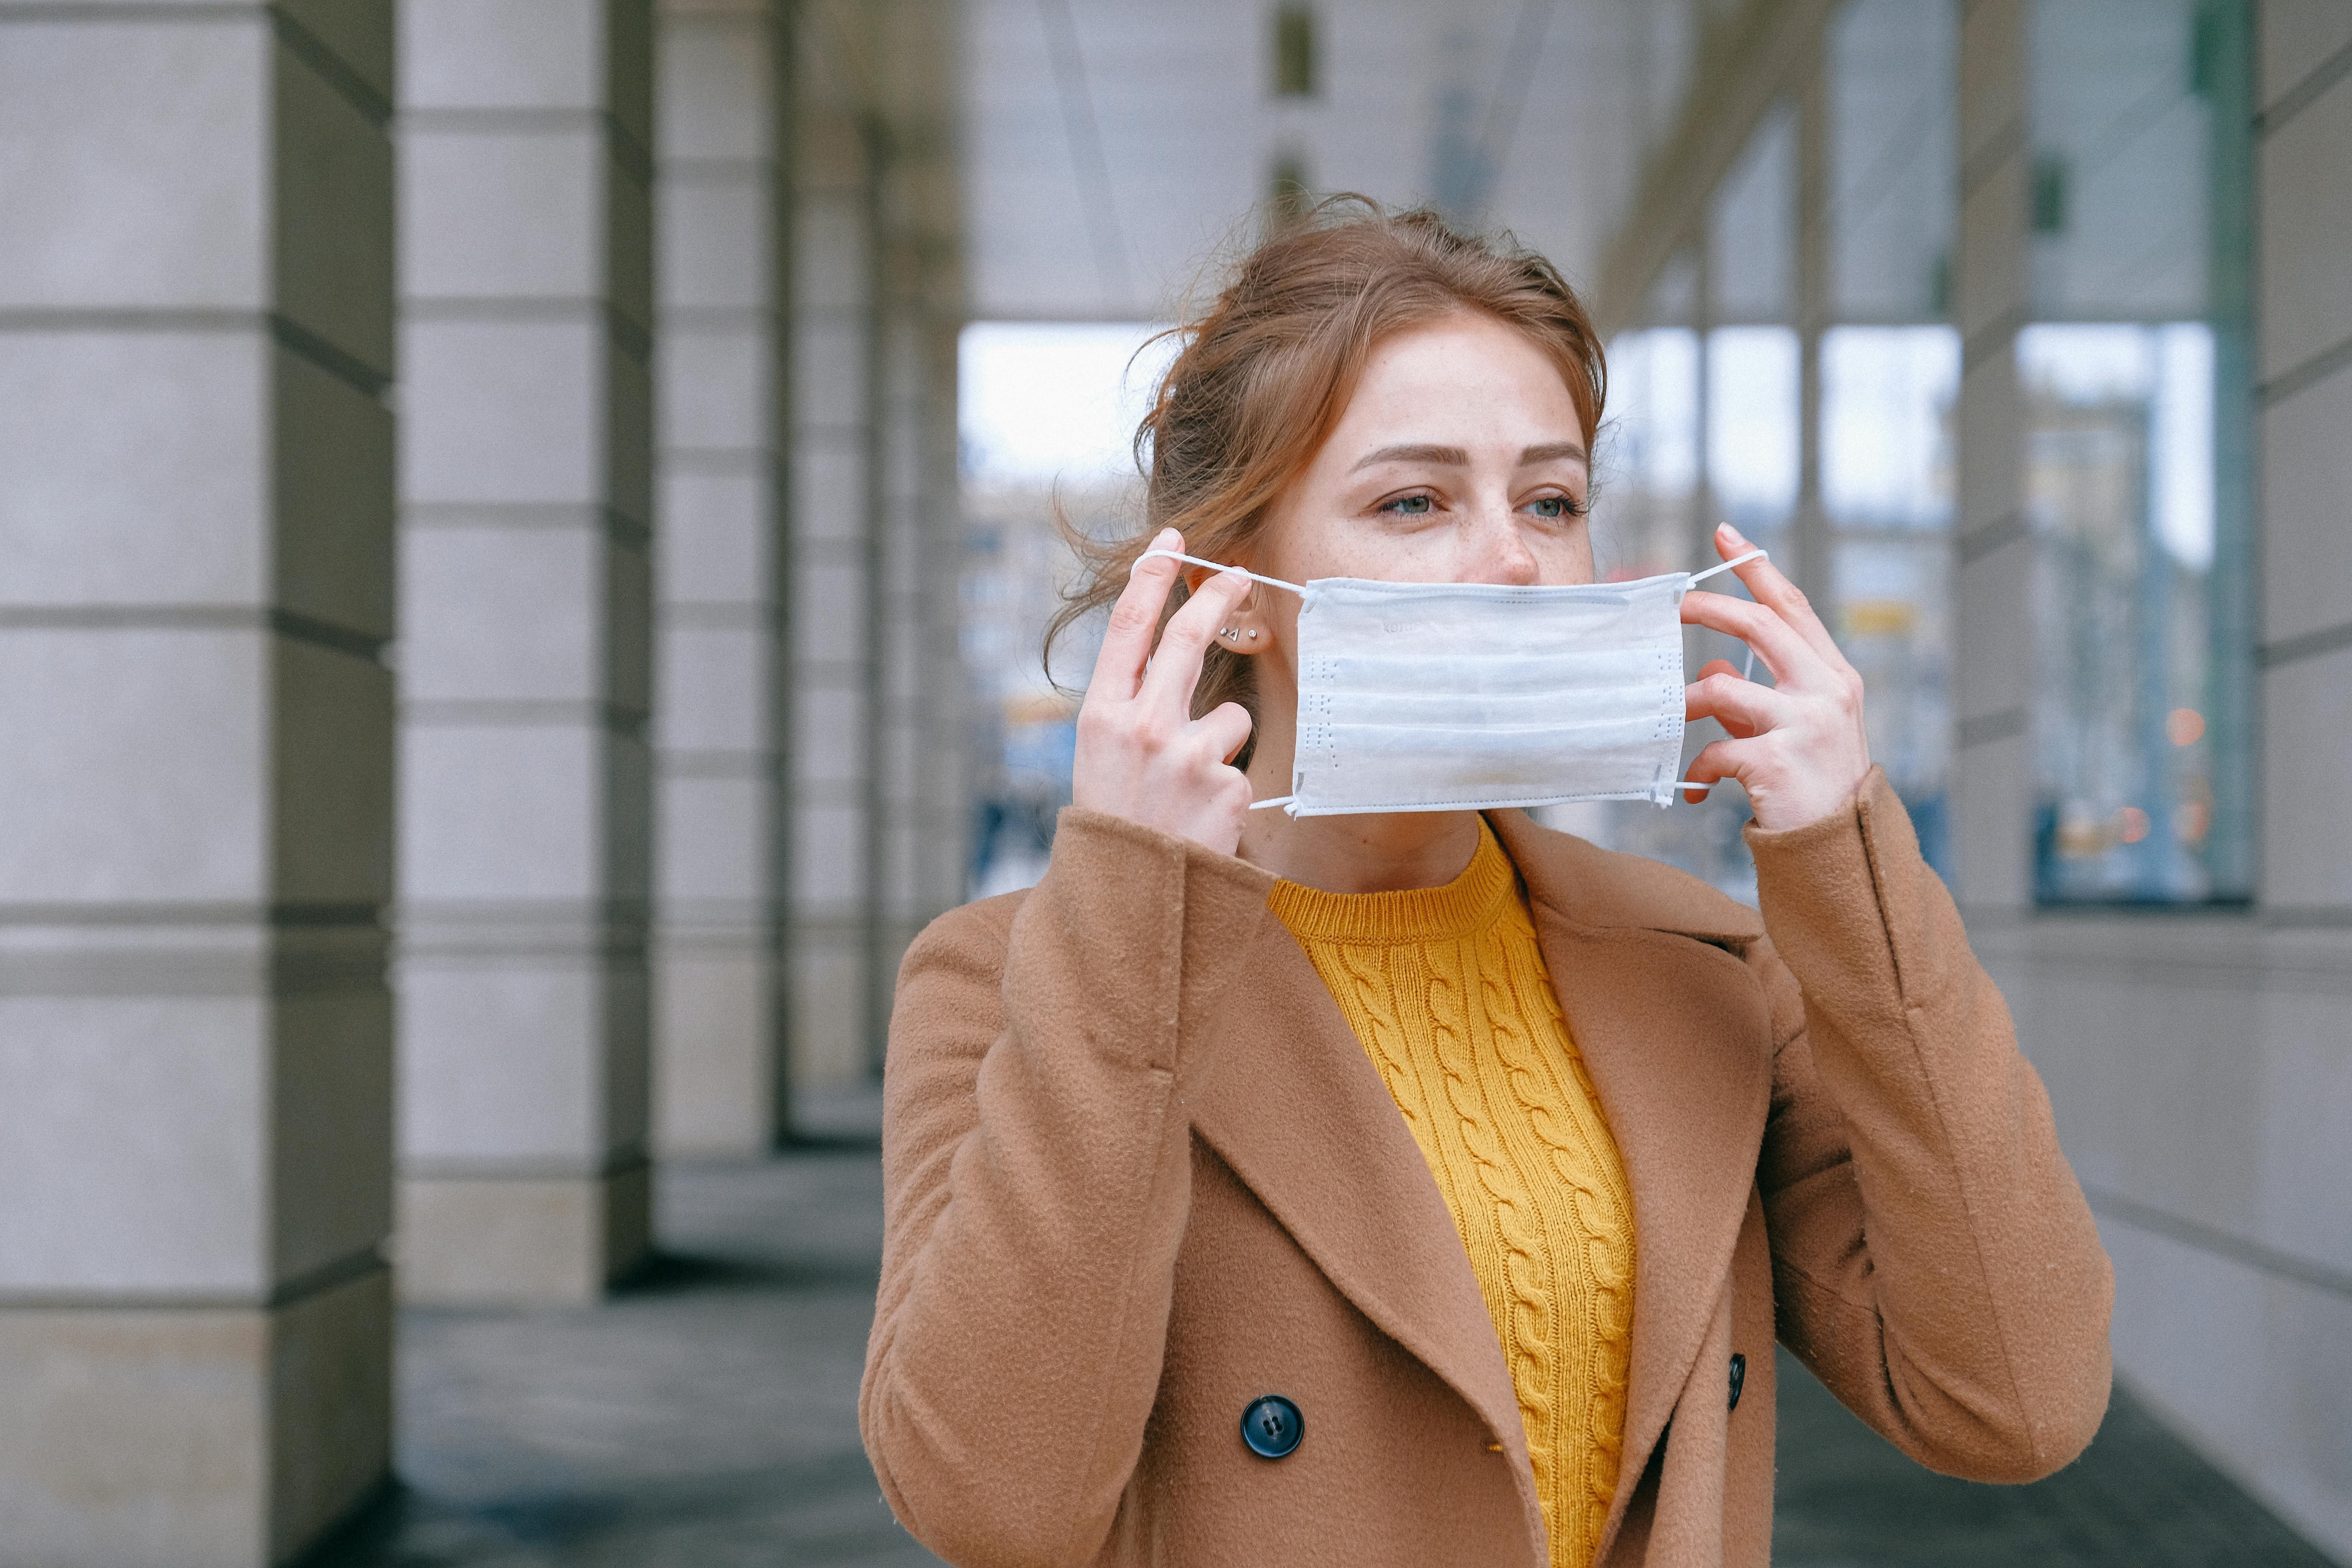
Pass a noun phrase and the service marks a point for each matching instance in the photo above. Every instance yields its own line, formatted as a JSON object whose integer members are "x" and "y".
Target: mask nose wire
{"x": 1214, "y": 566}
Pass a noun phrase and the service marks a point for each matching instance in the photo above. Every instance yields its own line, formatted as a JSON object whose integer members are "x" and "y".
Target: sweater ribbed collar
{"x": 1468, "y": 904}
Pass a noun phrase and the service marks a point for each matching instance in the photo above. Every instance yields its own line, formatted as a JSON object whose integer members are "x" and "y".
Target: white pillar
{"x": 1816, "y": 567}
{"x": 878, "y": 813}
{"x": 720, "y": 740}
{"x": 925, "y": 692}
{"x": 832, "y": 1029}
{"x": 196, "y": 336}
{"x": 1993, "y": 765}
{"x": 526, "y": 459}
{"x": 2303, "y": 371}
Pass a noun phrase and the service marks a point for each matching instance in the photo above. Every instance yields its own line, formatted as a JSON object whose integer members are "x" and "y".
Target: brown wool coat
{"x": 1139, "y": 1172}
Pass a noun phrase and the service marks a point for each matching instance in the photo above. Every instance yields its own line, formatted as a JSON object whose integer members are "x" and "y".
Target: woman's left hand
{"x": 1799, "y": 746}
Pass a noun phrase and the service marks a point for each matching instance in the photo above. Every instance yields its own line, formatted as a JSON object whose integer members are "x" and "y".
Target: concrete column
{"x": 526, "y": 459}
{"x": 833, "y": 347}
{"x": 1699, "y": 526}
{"x": 1992, "y": 766}
{"x": 2303, "y": 401}
{"x": 1816, "y": 568}
{"x": 927, "y": 696}
{"x": 719, "y": 743}
{"x": 195, "y": 340}
{"x": 878, "y": 813}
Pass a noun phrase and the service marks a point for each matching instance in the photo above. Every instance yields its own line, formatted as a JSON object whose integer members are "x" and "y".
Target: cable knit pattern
{"x": 1446, "y": 990}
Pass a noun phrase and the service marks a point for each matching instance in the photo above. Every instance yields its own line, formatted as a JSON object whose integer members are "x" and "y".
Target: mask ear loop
{"x": 1214, "y": 566}
{"x": 1748, "y": 674}
{"x": 1287, "y": 802}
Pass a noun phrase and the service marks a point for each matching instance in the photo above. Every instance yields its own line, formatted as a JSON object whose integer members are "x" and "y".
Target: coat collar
{"x": 1675, "y": 1036}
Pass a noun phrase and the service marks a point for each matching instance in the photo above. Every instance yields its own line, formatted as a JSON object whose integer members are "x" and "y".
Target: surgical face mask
{"x": 1465, "y": 696}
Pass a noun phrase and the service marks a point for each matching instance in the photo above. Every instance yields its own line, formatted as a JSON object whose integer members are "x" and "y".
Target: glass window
{"x": 1888, "y": 395}
{"x": 1044, "y": 415}
{"x": 1705, "y": 425}
{"x": 1892, "y": 162}
{"x": 1646, "y": 468}
{"x": 1890, "y": 369}
{"x": 2134, "y": 380}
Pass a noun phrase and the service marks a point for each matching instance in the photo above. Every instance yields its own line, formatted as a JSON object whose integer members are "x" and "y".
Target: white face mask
{"x": 1463, "y": 696}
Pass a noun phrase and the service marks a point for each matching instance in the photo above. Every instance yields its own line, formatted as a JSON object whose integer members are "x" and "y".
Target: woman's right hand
{"x": 1140, "y": 753}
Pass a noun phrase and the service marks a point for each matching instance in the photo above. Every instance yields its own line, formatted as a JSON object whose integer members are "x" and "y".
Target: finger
{"x": 1176, "y": 663}
{"x": 1740, "y": 705}
{"x": 1771, "y": 588}
{"x": 1227, "y": 727}
{"x": 1721, "y": 759}
{"x": 1785, "y": 653}
{"x": 1126, "y": 641}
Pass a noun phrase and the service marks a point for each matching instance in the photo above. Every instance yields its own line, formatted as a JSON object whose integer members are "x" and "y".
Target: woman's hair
{"x": 1264, "y": 376}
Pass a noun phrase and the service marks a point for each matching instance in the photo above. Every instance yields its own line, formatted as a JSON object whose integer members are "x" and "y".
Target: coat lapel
{"x": 1676, "y": 1037}
{"x": 1302, "y": 1116}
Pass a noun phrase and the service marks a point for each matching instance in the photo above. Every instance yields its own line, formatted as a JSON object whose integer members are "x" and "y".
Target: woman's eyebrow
{"x": 1457, "y": 458}
{"x": 1453, "y": 457}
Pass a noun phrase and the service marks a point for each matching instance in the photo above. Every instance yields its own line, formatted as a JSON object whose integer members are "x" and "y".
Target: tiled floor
{"x": 706, "y": 1418}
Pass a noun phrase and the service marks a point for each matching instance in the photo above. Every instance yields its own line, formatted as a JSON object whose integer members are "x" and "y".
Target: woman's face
{"x": 1459, "y": 459}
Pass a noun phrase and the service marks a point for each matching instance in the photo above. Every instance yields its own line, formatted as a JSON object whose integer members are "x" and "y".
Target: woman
{"x": 1428, "y": 1186}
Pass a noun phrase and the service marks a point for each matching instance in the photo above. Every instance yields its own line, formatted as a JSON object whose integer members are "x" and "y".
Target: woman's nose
{"x": 1497, "y": 552}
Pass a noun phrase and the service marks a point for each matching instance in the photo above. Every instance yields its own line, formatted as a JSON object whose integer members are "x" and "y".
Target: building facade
{"x": 480, "y": 557}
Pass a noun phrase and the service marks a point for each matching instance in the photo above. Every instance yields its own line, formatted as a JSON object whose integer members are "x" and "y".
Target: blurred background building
{"x": 526, "y": 528}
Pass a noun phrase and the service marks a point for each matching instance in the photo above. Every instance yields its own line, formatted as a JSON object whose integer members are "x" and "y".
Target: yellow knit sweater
{"x": 1447, "y": 990}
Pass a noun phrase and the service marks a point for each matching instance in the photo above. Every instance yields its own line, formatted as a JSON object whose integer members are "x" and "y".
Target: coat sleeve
{"x": 1933, "y": 1261}
{"x": 1037, "y": 1176}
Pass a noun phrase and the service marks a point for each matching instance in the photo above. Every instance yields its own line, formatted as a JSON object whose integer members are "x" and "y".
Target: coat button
{"x": 1738, "y": 1377}
{"x": 1272, "y": 1426}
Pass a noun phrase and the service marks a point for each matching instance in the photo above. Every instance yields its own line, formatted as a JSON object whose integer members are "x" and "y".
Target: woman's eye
{"x": 1409, "y": 506}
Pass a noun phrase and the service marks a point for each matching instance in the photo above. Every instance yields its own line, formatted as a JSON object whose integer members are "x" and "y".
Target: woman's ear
{"x": 1245, "y": 631}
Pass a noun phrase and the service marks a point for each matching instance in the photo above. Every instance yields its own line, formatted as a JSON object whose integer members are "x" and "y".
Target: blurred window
{"x": 1890, "y": 373}
{"x": 1892, "y": 132}
{"x": 2136, "y": 386}
{"x": 1646, "y": 465}
{"x": 1046, "y": 414}
{"x": 1705, "y": 425}
{"x": 1887, "y": 394}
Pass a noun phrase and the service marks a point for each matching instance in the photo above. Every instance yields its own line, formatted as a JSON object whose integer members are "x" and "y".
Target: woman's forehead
{"x": 1462, "y": 383}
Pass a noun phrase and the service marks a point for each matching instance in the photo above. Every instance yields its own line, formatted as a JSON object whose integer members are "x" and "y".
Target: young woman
{"x": 1428, "y": 1186}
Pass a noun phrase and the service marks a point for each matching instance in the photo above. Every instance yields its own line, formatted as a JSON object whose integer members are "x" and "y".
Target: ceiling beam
{"x": 1747, "y": 60}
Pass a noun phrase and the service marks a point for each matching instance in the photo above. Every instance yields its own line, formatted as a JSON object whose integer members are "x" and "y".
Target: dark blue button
{"x": 1272, "y": 1426}
{"x": 1738, "y": 1377}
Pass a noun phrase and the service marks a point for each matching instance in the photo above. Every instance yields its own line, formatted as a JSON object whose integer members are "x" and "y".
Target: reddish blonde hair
{"x": 1264, "y": 374}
